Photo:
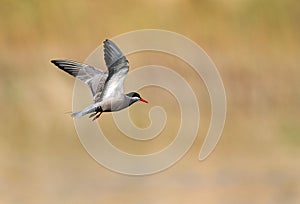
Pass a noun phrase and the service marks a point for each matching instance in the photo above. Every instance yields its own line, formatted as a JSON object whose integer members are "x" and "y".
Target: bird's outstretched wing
{"x": 90, "y": 75}
{"x": 118, "y": 67}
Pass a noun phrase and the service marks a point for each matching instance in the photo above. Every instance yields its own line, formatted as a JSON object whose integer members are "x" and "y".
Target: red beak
{"x": 143, "y": 100}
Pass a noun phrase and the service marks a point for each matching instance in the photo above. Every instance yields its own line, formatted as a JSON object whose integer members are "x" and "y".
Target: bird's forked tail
{"x": 90, "y": 109}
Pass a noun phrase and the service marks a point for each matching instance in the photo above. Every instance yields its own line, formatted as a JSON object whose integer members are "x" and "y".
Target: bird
{"x": 106, "y": 86}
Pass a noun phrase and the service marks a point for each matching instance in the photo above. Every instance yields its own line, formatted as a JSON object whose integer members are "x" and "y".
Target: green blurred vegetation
{"x": 255, "y": 45}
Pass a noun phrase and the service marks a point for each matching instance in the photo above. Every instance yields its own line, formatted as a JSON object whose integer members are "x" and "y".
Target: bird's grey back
{"x": 97, "y": 85}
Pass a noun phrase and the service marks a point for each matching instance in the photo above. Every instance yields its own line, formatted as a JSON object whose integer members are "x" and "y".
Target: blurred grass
{"x": 255, "y": 45}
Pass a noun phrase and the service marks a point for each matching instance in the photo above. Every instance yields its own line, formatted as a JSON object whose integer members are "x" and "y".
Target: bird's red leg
{"x": 97, "y": 115}
{"x": 93, "y": 114}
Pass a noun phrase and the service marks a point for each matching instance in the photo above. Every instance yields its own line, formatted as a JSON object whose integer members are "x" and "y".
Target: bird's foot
{"x": 97, "y": 115}
{"x": 93, "y": 114}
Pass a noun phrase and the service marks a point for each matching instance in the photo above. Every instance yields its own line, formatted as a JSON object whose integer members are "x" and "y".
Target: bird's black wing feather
{"x": 81, "y": 71}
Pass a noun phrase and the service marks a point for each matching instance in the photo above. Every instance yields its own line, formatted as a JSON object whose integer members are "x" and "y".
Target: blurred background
{"x": 254, "y": 44}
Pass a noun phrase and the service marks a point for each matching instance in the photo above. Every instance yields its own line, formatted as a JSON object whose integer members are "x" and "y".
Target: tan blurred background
{"x": 255, "y": 45}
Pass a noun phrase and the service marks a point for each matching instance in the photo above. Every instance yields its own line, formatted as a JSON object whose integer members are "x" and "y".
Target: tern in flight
{"x": 106, "y": 87}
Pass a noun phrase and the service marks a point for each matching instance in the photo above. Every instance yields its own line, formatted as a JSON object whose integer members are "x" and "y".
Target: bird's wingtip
{"x": 53, "y": 61}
